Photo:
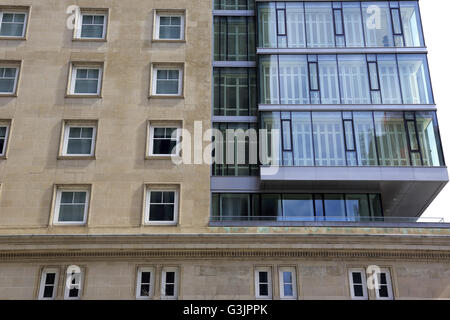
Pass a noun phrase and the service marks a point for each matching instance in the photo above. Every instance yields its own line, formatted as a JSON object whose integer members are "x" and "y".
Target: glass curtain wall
{"x": 345, "y": 79}
{"x": 339, "y": 24}
{"x": 356, "y": 138}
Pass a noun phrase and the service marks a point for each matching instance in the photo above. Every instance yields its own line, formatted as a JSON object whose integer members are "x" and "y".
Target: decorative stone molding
{"x": 218, "y": 254}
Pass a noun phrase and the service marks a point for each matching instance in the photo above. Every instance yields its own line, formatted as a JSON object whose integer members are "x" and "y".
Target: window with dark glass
{"x": 236, "y": 153}
{"x": 161, "y": 206}
{"x": 296, "y": 207}
{"x": 234, "y": 92}
{"x": 234, "y": 39}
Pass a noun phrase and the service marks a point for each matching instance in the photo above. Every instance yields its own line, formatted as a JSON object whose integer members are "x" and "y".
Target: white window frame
{"x": 139, "y": 282}
{"x": 163, "y": 283}
{"x": 73, "y": 78}
{"x": 169, "y": 14}
{"x": 155, "y": 80}
{"x": 15, "y": 79}
{"x": 292, "y": 270}
{"x": 389, "y": 285}
{"x": 5, "y": 145}
{"x": 79, "y": 284}
{"x": 80, "y": 25}
{"x": 148, "y": 191}
{"x": 44, "y": 273}
{"x": 25, "y": 23}
{"x": 67, "y": 128}
{"x": 59, "y": 192}
{"x": 269, "y": 284}
{"x": 362, "y": 271}
{"x": 152, "y": 136}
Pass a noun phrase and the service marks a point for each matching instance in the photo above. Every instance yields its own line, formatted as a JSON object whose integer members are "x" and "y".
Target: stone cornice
{"x": 198, "y": 246}
{"x": 225, "y": 254}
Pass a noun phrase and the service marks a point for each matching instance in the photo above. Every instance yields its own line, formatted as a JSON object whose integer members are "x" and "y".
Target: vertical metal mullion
{"x": 362, "y": 24}
{"x": 226, "y": 38}
{"x": 312, "y": 138}
{"x": 354, "y": 139}
{"x": 405, "y": 124}
{"x": 339, "y": 78}
{"x": 418, "y": 139}
{"x": 399, "y": 79}
{"x": 279, "y": 80}
{"x": 304, "y": 23}
{"x": 377, "y": 148}
{"x": 345, "y": 138}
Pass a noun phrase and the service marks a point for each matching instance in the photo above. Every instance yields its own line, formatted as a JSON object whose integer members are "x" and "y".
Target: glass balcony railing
{"x": 339, "y": 24}
{"x": 345, "y": 79}
{"x": 354, "y": 138}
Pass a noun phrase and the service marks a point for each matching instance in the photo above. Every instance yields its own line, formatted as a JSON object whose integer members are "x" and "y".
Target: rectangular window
{"x": 169, "y": 26}
{"x": 263, "y": 283}
{"x": 79, "y": 140}
{"x": 288, "y": 283}
{"x": 412, "y": 27}
{"x": 8, "y": 79}
{"x": 233, "y": 153}
{"x": 92, "y": 26}
{"x": 384, "y": 292}
{"x": 4, "y": 135}
{"x": 86, "y": 80}
{"x": 167, "y": 81}
{"x": 354, "y": 79}
{"x": 319, "y": 25}
{"x": 13, "y": 24}
{"x": 74, "y": 285}
{"x": 415, "y": 79}
{"x": 145, "y": 283}
{"x": 71, "y": 206}
{"x": 234, "y": 39}
{"x": 161, "y": 206}
{"x": 296, "y": 207}
{"x": 164, "y": 141}
{"x": 49, "y": 284}
{"x": 377, "y": 24}
{"x": 235, "y": 92}
{"x": 358, "y": 284}
{"x": 328, "y": 136}
{"x": 169, "y": 283}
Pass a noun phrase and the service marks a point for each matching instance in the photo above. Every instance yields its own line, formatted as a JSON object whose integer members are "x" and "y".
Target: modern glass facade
{"x": 345, "y": 84}
{"x": 357, "y": 138}
{"x": 339, "y": 24}
{"x": 345, "y": 79}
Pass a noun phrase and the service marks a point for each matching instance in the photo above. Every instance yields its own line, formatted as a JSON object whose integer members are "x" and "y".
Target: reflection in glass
{"x": 354, "y": 79}
{"x": 388, "y": 72}
{"x": 353, "y": 25}
{"x": 412, "y": 28}
{"x": 319, "y": 24}
{"x": 414, "y": 78}
{"x": 429, "y": 139}
{"x": 377, "y": 24}
{"x": 391, "y": 139}
{"x": 328, "y": 139}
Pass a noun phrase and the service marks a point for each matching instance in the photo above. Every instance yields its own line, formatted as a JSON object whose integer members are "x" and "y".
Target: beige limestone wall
{"x": 229, "y": 278}
{"x": 119, "y": 172}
